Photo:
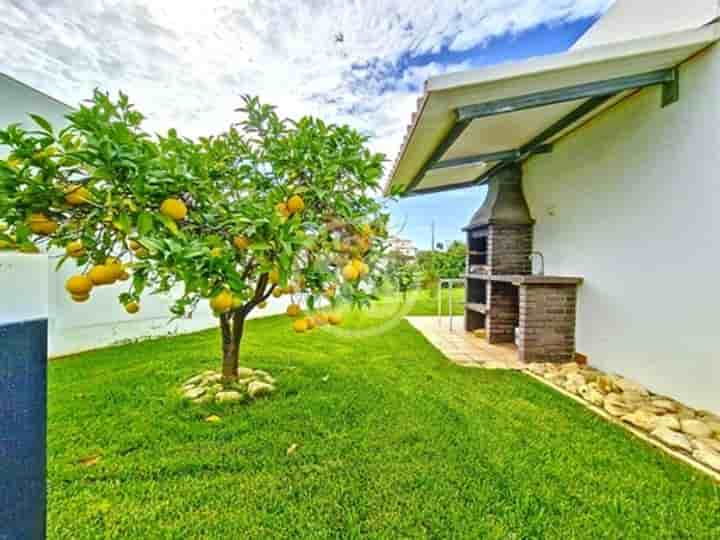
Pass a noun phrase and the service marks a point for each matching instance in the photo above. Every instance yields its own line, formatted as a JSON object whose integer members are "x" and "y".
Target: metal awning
{"x": 472, "y": 122}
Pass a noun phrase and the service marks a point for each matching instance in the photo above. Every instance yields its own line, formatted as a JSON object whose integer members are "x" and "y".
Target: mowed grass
{"x": 424, "y": 302}
{"x": 394, "y": 442}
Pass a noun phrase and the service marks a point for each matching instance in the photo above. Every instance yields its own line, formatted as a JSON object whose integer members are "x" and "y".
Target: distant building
{"x": 403, "y": 246}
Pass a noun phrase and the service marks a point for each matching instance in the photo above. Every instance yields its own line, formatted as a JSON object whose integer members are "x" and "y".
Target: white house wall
{"x": 631, "y": 202}
{"x": 634, "y": 19}
{"x": 31, "y": 280}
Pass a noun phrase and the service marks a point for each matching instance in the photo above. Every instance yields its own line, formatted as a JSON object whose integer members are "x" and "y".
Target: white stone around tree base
{"x": 693, "y": 433}
{"x": 209, "y": 386}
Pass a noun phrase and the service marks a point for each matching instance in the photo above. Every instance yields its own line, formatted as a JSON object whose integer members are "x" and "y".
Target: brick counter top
{"x": 519, "y": 279}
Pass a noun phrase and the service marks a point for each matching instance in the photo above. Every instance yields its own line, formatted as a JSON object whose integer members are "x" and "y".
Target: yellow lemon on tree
{"x": 293, "y": 310}
{"x": 364, "y": 270}
{"x": 77, "y": 195}
{"x": 75, "y": 249}
{"x": 78, "y": 285}
{"x": 222, "y": 302}
{"x": 300, "y": 326}
{"x": 80, "y": 298}
{"x": 132, "y": 308}
{"x": 101, "y": 275}
{"x": 14, "y": 163}
{"x": 115, "y": 266}
{"x": 124, "y": 276}
{"x": 174, "y": 209}
{"x": 241, "y": 242}
{"x": 262, "y": 305}
{"x": 357, "y": 264}
{"x": 350, "y": 273}
{"x": 282, "y": 209}
{"x": 321, "y": 319}
{"x": 277, "y": 292}
{"x": 335, "y": 319}
{"x": 295, "y": 204}
{"x": 41, "y": 224}
{"x": 274, "y": 276}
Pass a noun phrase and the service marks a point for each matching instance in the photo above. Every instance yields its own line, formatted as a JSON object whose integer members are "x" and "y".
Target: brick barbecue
{"x": 502, "y": 295}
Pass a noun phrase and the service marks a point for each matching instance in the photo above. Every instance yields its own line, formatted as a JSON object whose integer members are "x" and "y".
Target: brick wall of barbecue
{"x": 509, "y": 248}
{"x": 503, "y": 312}
{"x": 547, "y": 323}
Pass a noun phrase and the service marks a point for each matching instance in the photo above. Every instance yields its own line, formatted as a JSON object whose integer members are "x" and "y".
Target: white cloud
{"x": 184, "y": 63}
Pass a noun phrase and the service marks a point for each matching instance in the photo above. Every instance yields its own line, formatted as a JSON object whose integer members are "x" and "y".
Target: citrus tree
{"x": 269, "y": 207}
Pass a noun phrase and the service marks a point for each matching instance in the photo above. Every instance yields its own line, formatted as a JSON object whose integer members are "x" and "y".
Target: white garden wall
{"x": 631, "y": 201}
{"x": 31, "y": 288}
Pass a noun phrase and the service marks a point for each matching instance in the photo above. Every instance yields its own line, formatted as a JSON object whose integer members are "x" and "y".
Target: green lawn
{"x": 425, "y": 301}
{"x": 395, "y": 442}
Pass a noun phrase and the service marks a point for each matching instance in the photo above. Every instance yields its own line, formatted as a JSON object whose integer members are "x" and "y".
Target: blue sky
{"x": 413, "y": 216}
{"x": 359, "y": 62}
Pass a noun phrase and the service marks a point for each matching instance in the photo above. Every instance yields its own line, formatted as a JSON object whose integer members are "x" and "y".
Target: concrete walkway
{"x": 463, "y": 348}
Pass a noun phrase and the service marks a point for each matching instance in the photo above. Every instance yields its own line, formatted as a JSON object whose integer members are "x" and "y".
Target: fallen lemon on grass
{"x": 321, "y": 319}
{"x": 293, "y": 310}
{"x": 174, "y": 209}
{"x": 310, "y": 323}
{"x": 42, "y": 225}
{"x": 335, "y": 319}
{"x": 132, "y": 308}
{"x": 300, "y": 326}
{"x": 222, "y": 302}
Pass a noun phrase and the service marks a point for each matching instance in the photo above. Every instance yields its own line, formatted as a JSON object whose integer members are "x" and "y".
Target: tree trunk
{"x": 232, "y": 325}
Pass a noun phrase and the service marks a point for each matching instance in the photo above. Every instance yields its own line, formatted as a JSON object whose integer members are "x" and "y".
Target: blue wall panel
{"x": 23, "y": 422}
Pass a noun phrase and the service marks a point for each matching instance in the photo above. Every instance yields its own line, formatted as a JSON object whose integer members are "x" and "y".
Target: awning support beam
{"x": 504, "y": 155}
{"x": 568, "y": 93}
{"x": 443, "y": 147}
{"x": 596, "y": 93}
{"x": 671, "y": 89}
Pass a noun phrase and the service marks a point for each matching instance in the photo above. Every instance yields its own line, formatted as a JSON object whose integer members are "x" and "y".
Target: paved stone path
{"x": 462, "y": 347}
